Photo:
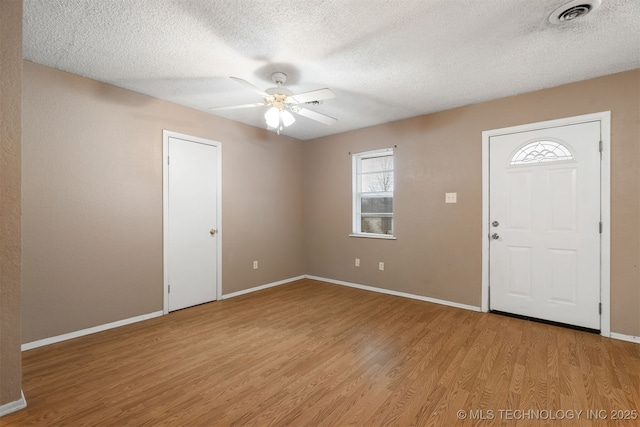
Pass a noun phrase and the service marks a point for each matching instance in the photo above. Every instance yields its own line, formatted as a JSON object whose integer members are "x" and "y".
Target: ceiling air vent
{"x": 573, "y": 10}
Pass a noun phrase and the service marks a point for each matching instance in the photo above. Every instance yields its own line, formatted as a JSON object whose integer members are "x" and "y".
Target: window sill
{"x": 374, "y": 236}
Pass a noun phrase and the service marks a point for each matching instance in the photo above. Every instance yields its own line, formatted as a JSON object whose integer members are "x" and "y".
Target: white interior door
{"x": 191, "y": 223}
{"x": 544, "y": 213}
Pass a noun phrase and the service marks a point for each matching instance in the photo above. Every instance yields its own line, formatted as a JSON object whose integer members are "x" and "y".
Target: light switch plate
{"x": 451, "y": 197}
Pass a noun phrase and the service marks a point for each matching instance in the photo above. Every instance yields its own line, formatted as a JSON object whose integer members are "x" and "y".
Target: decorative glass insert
{"x": 541, "y": 151}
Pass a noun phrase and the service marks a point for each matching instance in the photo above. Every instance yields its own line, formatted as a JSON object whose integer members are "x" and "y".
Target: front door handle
{"x": 212, "y": 231}
{"x": 495, "y": 236}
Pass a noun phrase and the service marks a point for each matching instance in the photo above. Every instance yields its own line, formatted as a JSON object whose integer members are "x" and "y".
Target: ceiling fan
{"x": 283, "y": 103}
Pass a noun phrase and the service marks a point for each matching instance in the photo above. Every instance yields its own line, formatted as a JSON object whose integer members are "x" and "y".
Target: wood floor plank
{"x": 317, "y": 354}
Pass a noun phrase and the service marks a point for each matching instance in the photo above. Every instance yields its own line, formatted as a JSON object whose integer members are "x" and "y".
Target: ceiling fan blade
{"x": 256, "y": 89}
{"x": 234, "y": 107}
{"x": 318, "y": 117}
{"x": 314, "y": 95}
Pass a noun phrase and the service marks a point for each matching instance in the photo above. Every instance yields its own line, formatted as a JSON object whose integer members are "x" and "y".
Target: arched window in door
{"x": 541, "y": 151}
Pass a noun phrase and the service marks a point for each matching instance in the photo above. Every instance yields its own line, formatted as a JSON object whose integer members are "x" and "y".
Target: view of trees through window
{"x": 374, "y": 198}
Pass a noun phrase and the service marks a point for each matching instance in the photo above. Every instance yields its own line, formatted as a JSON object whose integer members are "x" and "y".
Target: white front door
{"x": 191, "y": 223}
{"x": 544, "y": 214}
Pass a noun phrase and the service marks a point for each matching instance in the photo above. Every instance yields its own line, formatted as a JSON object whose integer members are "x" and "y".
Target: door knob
{"x": 495, "y": 236}
{"x": 212, "y": 231}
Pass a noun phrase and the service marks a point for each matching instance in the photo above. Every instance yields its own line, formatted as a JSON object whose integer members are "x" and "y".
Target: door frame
{"x": 166, "y": 134}
{"x": 604, "y": 118}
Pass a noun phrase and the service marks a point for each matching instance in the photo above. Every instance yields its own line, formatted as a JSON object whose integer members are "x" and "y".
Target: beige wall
{"x": 92, "y": 201}
{"x": 10, "y": 114}
{"x": 438, "y": 248}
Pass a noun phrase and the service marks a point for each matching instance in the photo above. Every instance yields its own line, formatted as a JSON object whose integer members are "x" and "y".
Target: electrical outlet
{"x": 357, "y": 262}
{"x": 255, "y": 265}
{"x": 381, "y": 266}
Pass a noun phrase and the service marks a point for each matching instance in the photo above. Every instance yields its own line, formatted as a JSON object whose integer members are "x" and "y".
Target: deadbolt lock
{"x": 495, "y": 223}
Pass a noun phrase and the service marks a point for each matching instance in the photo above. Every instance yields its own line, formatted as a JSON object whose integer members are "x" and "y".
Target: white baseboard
{"x": 396, "y": 293}
{"x": 623, "y": 337}
{"x": 83, "y": 332}
{"x": 19, "y": 404}
{"x": 261, "y": 287}
{"x": 614, "y": 335}
{"x": 10, "y": 407}
{"x": 88, "y": 331}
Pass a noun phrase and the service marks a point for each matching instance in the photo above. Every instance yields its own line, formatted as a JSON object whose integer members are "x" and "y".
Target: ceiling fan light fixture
{"x": 287, "y": 118}
{"x": 272, "y": 117}
{"x": 278, "y": 119}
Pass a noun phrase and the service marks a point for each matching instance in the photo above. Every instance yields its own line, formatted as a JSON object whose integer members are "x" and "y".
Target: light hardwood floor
{"x": 312, "y": 353}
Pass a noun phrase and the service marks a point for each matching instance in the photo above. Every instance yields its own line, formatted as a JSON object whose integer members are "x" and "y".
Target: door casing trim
{"x": 166, "y": 134}
{"x": 604, "y": 118}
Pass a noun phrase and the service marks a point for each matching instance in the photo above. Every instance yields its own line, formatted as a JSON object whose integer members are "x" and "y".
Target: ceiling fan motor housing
{"x": 278, "y": 96}
{"x": 277, "y": 100}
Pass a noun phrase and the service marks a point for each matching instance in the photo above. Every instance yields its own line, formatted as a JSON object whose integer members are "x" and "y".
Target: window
{"x": 373, "y": 193}
{"x": 541, "y": 151}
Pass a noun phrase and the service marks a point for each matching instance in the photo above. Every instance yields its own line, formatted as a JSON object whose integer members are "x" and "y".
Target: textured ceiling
{"x": 384, "y": 59}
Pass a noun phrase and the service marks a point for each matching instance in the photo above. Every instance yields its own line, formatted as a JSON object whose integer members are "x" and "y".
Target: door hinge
{"x": 167, "y": 159}
{"x": 600, "y": 227}
{"x": 169, "y": 290}
{"x": 599, "y": 308}
{"x": 600, "y": 147}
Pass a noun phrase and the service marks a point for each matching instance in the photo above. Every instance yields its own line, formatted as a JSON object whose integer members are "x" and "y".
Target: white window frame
{"x": 356, "y": 160}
